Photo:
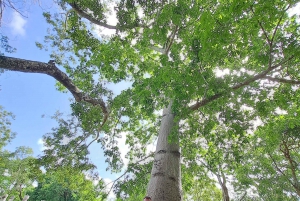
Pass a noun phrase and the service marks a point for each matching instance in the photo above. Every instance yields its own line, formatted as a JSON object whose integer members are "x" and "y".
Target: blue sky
{"x": 31, "y": 96}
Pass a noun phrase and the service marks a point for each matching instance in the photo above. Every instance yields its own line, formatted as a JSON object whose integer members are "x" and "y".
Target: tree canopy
{"x": 220, "y": 66}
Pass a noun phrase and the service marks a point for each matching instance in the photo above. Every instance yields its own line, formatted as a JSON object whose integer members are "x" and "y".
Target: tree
{"x": 273, "y": 172}
{"x": 192, "y": 59}
{"x": 6, "y": 136}
{"x": 198, "y": 185}
{"x": 5, "y": 45}
{"x": 219, "y": 152}
{"x": 65, "y": 184}
{"x": 16, "y": 168}
{"x": 19, "y": 173}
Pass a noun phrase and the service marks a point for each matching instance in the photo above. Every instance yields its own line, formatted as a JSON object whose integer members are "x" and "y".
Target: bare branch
{"x": 113, "y": 182}
{"x": 99, "y": 129}
{"x": 14, "y": 8}
{"x": 27, "y": 66}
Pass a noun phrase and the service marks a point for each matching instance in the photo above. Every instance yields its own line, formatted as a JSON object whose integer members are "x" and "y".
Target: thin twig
{"x": 262, "y": 28}
{"x": 99, "y": 129}
{"x": 66, "y": 14}
{"x": 276, "y": 166}
{"x": 172, "y": 36}
{"x": 151, "y": 154}
{"x": 15, "y": 9}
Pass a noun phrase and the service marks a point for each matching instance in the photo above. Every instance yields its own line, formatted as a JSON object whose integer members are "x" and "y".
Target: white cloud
{"x": 109, "y": 183}
{"x": 280, "y": 111}
{"x": 111, "y": 18}
{"x": 17, "y": 24}
{"x": 41, "y": 144}
{"x": 35, "y": 183}
{"x": 151, "y": 147}
{"x": 43, "y": 147}
{"x": 222, "y": 73}
{"x": 123, "y": 148}
{"x": 294, "y": 10}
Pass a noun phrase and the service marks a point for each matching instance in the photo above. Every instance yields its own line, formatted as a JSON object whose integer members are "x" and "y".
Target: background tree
{"x": 66, "y": 184}
{"x": 6, "y": 136}
{"x": 19, "y": 173}
{"x": 199, "y": 184}
{"x": 173, "y": 53}
{"x": 17, "y": 167}
{"x": 273, "y": 172}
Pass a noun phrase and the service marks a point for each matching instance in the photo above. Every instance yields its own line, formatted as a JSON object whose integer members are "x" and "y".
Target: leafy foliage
{"x": 228, "y": 59}
{"x": 223, "y": 64}
{"x": 67, "y": 184}
{"x": 17, "y": 169}
{"x": 5, "y": 45}
{"x": 5, "y": 121}
{"x": 274, "y": 156}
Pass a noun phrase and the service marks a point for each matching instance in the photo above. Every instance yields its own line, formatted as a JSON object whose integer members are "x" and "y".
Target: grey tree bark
{"x": 3, "y": 197}
{"x": 165, "y": 181}
{"x": 222, "y": 182}
{"x": 26, "y": 197}
{"x": 27, "y": 66}
{"x": 12, "y": 198}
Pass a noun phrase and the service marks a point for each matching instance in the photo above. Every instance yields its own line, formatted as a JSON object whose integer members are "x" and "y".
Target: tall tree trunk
{"x": 20, "y": 192}
{"x": 165, "y": 181}
{"x": 26, "y": 197}
{"x": 12, "y": 198}
{"x": 225, "y": 193}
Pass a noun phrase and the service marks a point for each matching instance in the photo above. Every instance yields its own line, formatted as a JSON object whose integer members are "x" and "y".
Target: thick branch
{"x": 278, "y": 169}
{"x": 223, "y": 186}
{"x": 3, "y": 197}
{"x": 259, "y": 76}
{"x": 27, "y": 66}
{"x": 20, "y": 193}
{"x": 83, "y": 14}
{"x": 293, "y": 168}
{"x": 286, "y": 81}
